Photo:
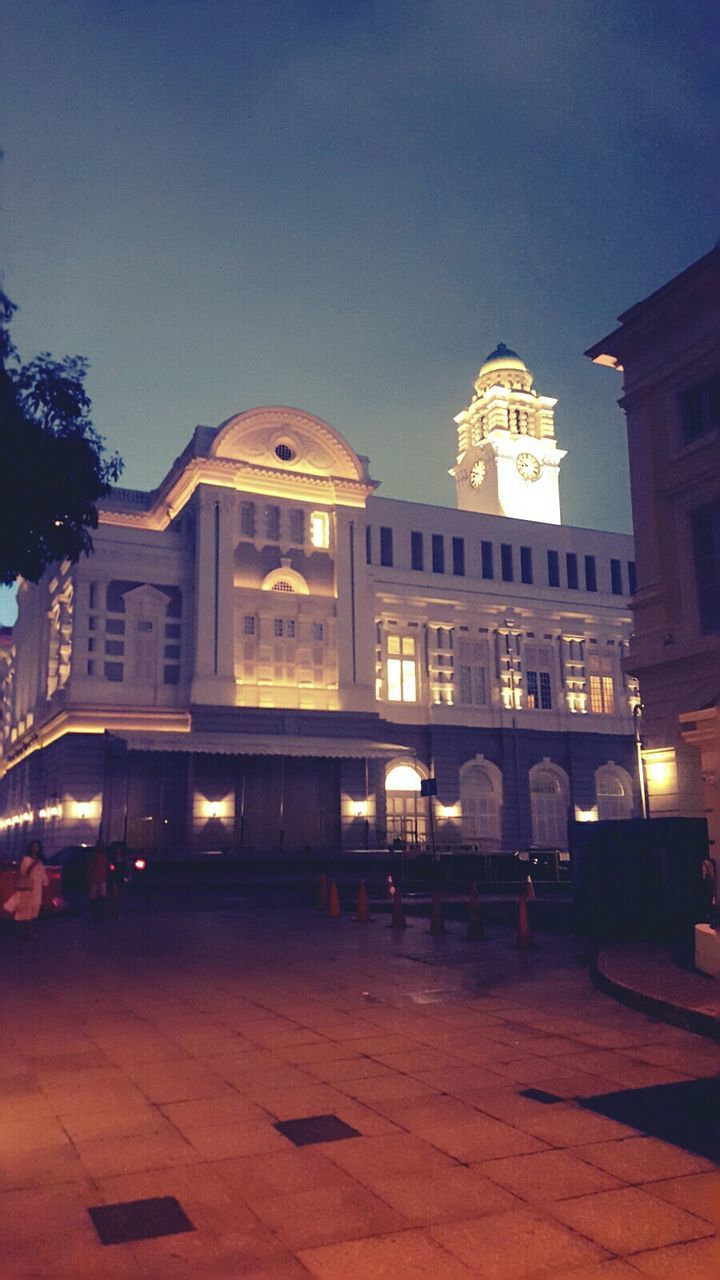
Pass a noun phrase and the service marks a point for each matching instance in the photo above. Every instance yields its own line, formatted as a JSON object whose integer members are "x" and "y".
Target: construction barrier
{"x": 363, "y": 906}
{"x": 333, "y": 904}
{"x": 476, "y": 931}
{"x": 437, "y": 920}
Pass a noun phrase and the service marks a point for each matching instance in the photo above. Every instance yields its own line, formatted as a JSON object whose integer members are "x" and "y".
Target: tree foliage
{"x": 53, "y": 465}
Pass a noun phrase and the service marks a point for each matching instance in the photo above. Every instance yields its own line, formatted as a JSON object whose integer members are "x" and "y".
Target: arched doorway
{"x": 405, "y": 808}
{"x": 481, "y": 803}
{"x": 549, "y": 798}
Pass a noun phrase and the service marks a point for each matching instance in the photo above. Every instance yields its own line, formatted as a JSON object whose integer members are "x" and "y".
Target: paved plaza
{"x": 152, "y": 1057}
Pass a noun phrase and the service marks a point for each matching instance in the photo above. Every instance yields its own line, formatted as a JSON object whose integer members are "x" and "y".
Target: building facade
{"x": 263, "y": 654}
{"x": 668, "y": 347}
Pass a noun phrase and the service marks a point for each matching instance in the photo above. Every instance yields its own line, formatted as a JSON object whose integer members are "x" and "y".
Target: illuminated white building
{"x": 261, "y": 653}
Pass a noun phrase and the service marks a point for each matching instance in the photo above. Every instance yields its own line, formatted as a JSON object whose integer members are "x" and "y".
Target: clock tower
{"x": 508, "y": 460}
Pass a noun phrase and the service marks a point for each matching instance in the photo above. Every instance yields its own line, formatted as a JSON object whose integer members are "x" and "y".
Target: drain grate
{"x": 311, "y": 1129}
{"x": 139, "y": 1220}
{"x": 540, "y": 1095}
{"x": 686, "y": 1114}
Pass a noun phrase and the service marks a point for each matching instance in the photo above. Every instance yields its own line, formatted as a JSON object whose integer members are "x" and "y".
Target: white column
{"x": 355, "y": 614}
{"x": 214, "y": 673}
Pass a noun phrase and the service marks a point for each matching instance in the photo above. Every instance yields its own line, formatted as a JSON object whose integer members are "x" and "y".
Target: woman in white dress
{"x": 31, "y": 880}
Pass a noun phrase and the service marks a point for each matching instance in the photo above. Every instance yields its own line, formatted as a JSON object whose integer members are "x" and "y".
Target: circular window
{"x": 284, "y": 452}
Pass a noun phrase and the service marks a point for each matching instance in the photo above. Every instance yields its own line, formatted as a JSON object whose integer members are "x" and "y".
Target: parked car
{"x": 53, "y": 898}
{"x": 73, "y": 863}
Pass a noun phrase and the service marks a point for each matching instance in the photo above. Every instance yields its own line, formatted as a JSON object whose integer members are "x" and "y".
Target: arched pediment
{"x": 288, "y": 440}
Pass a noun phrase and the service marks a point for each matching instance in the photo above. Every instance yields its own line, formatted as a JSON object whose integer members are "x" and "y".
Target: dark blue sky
{"x": 345, "y": 205}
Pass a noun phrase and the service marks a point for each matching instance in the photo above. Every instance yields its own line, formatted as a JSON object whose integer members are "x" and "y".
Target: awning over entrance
{"x": 255, "y": 744}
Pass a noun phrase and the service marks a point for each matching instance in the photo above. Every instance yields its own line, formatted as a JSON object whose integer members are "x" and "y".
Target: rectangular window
{"x": 172, "y": 652}
{"x": 538, "y": 685}
{"x": 506, "y": 562}
{"x": 616, "y": 585}
{"x": 114, "y": 672}
{"x": 386, "y": 547}
{"x": 571, "y": 565}
{"x": 632, "y": 577}
{"x": 590, "y": 574}
{"x": 320, "y": 530}
{"x": 297, "y": 526}
{"x": 278, "y": 627}
{"x": 114, "y": 648}
{"x": 401, "y": 674}
{"x": 290, "y": 628}
{"x": 601, "y": 684}
{"x": 700, "y": 409}
{"x": 115, "y": 626}
{"x": 318, "y": 630}
{"x": 438, "y": 553}
{"x": 553, "y": 565}
{"x": 705, "y": 526}
{"x": 171, "y": 675}
{"x": 249, "y": 625}
{"x": 526, "y": 566}
{"x": 368, "y": 544}
{"x": 486, "y": 554}
{"x": 247, "y": 519}
{"x": 272, "y": 523}
{"x": 417, "y": 555}
{"x": 458, "y": 555}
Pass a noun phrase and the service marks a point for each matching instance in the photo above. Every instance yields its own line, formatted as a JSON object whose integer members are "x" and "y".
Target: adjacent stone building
{"x": 262, "y": 654}
{"x": 668, "y": 347}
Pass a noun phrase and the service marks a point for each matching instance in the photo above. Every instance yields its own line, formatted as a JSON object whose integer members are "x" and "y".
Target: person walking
{"x": 98, "y": 879}
{"x": 117, "y": 876}
{"x": 31, "y": 880}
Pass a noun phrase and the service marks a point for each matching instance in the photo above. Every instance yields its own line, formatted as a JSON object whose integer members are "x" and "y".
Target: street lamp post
{"x": 637, "y": 718}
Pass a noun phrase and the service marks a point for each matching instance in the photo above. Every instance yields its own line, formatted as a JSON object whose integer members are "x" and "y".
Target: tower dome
{"x": 504, "y": 366}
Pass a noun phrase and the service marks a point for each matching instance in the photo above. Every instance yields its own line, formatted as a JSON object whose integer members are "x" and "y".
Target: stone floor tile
{"x": 105, "y": 1156}
{"x": 177, "y": 1082}
{"x": 199, "y": 1252}
{"x": 463, "y": 1080}
{"x": 516, "y": 1244}
{"x": 699, "y": 1260}
{"x": 231, "y": 1108}
{"x": 44, "y": 1211}
{"x": 615, "y": 1269}
{"x": 335, "y": 1070}
{"x": 433, "y": 1197}
{"x": 629, "y": 1219}
{"x": 19, "y": 1136}
{"x": 387, "y": 1088}
{"x": 246, "y": 1137}
{"x": 406, "y": 1256}
{"x": 546, "y": 1176}
{"x": 79, "y": 1253}
{"x": 291, "y": 1103}
{"x": 366, "y": 1120}
{"x": 327, "y": 1215}
{"x": 41, "y": 1167}
{"x": 256, "y": 1178}
{"x": 697, "y": 1192}
{"x": 643, "y": 1159}
{"x": 401, "y": 1155}
{"x": 113, "y": 1122}
{"x": 482, "y": 1139}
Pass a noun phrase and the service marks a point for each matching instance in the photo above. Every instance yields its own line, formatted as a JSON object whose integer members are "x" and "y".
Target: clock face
{"x": 528, "y": 466}
{"x": 477, "y": 473}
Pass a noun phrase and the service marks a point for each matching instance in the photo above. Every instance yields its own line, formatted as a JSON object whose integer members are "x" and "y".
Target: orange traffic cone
{"x": 529, "y": 889}
{"x": 525, "y": 940}
{"x": 437, "y": 921}
{"x": 363, "y": 906}
{"x": 398, "y": 915}
{"x": 322, "y": 893}
{"x": 333, "y": 904}
{"x": 475, "y": 921}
